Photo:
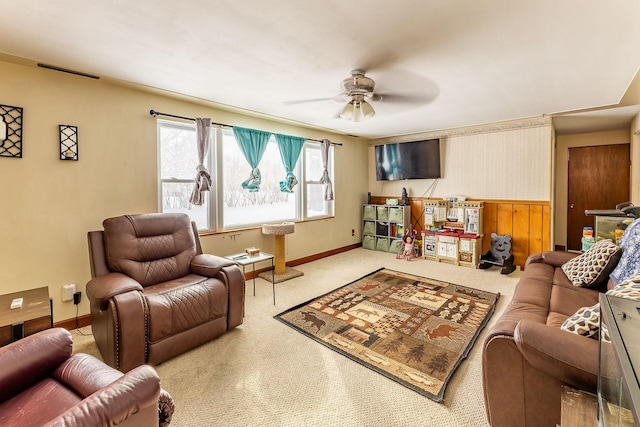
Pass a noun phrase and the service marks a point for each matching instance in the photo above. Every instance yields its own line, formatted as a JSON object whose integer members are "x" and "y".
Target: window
{"x": 315, "y": 203}
{"x": 177, "y": 165}
{"x": 241, "y": 207}
{"x": 236, "y": 207}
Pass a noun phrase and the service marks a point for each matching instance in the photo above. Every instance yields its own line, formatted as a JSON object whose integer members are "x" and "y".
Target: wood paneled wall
{"x": 528, "y": 223}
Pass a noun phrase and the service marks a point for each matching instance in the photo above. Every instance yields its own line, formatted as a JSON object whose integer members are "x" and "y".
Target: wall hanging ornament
{"x": 10, "y": 131}
{"x": 68, "y": 142}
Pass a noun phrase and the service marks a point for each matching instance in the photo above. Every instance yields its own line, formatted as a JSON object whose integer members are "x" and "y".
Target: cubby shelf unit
{"x": 383, "y": 227}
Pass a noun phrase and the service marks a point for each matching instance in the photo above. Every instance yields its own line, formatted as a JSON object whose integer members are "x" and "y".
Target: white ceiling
{"x": 467, "y": 62}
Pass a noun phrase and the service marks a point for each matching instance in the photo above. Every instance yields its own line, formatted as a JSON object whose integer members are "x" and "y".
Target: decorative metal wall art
{"x": 68, "y": 142}
{"x": 10, "y": 131}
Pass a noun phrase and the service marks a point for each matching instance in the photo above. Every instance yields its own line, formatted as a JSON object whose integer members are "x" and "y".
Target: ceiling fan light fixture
{"x": 366, "y": 110}
{"x": 357, "y": 110}
{"x": 348, "y": 112}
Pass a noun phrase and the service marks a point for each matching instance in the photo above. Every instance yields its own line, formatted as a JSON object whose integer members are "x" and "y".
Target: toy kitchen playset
{"x": 453, "y": 231}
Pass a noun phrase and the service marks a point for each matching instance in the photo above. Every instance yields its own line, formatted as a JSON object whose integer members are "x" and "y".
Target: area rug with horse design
{"x": 411, "y": 329}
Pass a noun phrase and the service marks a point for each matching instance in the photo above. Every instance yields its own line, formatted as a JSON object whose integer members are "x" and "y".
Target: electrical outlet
{"x": 68, "y": 291}
{"x": 353, "y": 232}
{"x": 76, "y": 297}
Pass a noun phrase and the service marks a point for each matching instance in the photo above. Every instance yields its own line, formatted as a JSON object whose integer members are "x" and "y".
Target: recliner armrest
{"x": 557, "y": 258}
{"x": 134, "y": 391}
{"x": 571, "y": 358}
{"x": 85, "y": 374}
{"x": 101, "y": 289}
{"x": 24, "y": 363}
{"x": 209, "y": 265}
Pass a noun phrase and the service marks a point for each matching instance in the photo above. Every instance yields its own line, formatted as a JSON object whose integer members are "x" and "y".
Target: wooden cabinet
{"x": 384, "y": 226}
{"x": 34, "y": 315}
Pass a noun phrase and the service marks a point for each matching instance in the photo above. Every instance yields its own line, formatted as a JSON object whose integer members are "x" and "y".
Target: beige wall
{"x": 47, "y": 205}
{"x": 505, "y": 165}
{"x": 563, "y": 143}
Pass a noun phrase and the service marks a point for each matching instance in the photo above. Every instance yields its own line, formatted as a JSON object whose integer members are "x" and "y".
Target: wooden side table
{"x": 34, "y": 316}
{"x": 579, "y": 408}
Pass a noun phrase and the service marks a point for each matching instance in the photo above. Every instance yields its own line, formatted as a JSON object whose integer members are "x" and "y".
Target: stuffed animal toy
{"x": 500, "y": 254}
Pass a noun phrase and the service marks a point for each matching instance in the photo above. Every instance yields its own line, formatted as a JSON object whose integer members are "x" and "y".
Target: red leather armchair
{"x": 154, "y": 295}
{"x": 43, "y": 384}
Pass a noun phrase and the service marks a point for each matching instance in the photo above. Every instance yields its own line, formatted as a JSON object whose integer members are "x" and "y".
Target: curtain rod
{"x": 157, "y": 113}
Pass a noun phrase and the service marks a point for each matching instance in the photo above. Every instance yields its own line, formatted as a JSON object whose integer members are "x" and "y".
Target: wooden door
{"x": 598, "y": 179}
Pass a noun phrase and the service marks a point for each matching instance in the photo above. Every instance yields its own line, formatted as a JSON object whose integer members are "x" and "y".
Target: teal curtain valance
{"x": 290, "y": 148}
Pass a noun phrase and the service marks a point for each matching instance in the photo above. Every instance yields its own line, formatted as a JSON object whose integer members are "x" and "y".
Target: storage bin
{"x": 396, "y": 215}
{"x": 383, "y": 213}
{"x": 369, "y": 242}
{"x": 396, "y": 245}
{"x": 369, "y": 228}
{"x": 382, "y": 244}
{"x": 382, "y": 228}
{"x": 369, "y": 212}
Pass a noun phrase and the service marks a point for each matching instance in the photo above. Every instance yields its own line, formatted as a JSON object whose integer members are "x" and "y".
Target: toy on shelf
{"x": 407, "y": 247}
{"x": 417, "y": 244}
{"x": 499, "y": 255}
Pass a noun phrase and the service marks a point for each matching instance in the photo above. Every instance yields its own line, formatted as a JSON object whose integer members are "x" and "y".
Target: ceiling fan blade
{"x": 305, "y": 101}
{"x": 415, "y": 99}
{"x": 341, "y": 98}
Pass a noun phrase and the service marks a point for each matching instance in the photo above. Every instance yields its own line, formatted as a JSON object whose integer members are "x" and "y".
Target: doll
{"x": 407, "y": 247}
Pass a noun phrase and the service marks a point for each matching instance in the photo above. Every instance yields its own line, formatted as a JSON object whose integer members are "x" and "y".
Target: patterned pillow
{"x": 593, "y": 267}
{"x": 585, "y": 322}
{"x": 630, "y": 289}
{"x": 629, "y": 264}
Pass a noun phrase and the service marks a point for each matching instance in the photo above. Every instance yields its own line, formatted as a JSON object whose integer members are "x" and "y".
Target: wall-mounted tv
{"x": 408, "y": 160}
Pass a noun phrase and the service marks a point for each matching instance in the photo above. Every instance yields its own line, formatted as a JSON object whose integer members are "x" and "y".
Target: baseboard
{"x": 322, "y": 255}
{"x": 85, "y": 320}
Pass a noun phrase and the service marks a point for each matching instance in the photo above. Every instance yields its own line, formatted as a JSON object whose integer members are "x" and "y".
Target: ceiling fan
{"x": 357, "y": 91}
{"x": 358, "y": 88}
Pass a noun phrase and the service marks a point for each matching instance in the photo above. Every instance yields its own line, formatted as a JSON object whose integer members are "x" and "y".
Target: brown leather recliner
{"x": 154, "y": 295}
{"x": 43, "y": 384}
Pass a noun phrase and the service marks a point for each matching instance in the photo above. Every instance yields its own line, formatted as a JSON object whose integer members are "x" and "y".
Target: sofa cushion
{"x": 629, "y": 264}
{"x": 182, "y": 304}
{"x": 593, "y": 267}
{"x": 585, "y": 322}
{"x": 150, "y": 248}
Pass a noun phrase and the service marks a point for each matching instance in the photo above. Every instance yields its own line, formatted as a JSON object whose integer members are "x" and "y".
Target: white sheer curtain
{"x": 203, "y": 177}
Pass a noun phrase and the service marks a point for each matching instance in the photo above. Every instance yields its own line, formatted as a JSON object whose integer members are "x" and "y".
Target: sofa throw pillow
{"x": 629, "y": 264}
{"x": 585, "y": 322}
{"x": 593, "y": 267}
{"x": 630, "y": 289}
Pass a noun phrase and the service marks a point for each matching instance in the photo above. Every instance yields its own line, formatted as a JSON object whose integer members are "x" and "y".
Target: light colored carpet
{"x": 264, "y": 373}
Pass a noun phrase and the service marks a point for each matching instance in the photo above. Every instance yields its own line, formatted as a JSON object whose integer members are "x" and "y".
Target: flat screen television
{"x": 408, "y": 160}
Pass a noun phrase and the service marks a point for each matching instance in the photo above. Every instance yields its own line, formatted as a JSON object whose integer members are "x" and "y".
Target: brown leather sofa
{"x": 43, "y": 384}
{"x": 154, "y": 295}
{"x": 527, "y": 357}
